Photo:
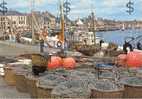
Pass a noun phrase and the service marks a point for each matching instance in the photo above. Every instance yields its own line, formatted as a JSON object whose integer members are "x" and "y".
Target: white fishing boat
{"x": 123, "y": 27}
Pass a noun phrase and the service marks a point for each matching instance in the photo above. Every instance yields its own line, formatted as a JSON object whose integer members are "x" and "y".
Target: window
{"x": 14, "y": 22}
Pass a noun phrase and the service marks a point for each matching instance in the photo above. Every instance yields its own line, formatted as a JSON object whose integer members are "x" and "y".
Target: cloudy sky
{"x": 111, "y": 9}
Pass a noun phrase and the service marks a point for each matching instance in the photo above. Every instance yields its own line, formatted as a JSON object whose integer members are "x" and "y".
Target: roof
{"x": 79, "y": 22}
{"x": 13, "y": 13}
{"x": 48, "y": 13}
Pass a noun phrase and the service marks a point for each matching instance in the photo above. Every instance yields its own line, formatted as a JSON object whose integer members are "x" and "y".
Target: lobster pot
{"x": 44, "y": 92}
{"x": 31, "y": 85}
{"x": 133, "y": 91}
{"x": 107, "y": 89}
{"x": 21, "y": 84}
{"x": 47, "y": 83}
{"x": 39, "y": 60}
{"x": 106, "y": 94}
{"x": 9, "y": 76}
{"x": 10, "y": 70}
{"x": 133, "y": 87}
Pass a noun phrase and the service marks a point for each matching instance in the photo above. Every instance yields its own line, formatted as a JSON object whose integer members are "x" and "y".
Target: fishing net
{"x": 72, "y": 89}
{"x": 50, "y": 81}
{"x": 106, "y": 85}
{"x": 127, "y": 72}
{"x": 132, "y": 81}
{"x": 78, "y": 85}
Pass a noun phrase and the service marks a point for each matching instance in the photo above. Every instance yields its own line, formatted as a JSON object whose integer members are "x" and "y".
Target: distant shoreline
{"x": 107, "y": 30}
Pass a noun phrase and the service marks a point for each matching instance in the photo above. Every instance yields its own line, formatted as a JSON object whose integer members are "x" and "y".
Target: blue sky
{"x": 110, "y": 9}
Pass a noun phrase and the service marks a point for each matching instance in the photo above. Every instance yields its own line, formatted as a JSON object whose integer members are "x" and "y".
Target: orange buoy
{"x": 134, "y": 59}
{"x": 55, "y": 62}
{"x": 121, "y": 59}
{"x": 69, "y": 63}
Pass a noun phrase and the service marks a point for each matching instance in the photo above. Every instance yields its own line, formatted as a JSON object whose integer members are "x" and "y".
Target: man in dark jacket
{"x": 127, "y": 45}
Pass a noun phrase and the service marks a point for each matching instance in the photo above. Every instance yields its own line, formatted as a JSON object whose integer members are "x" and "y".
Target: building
{"x": 42, "y": 19}
{"x": 13, "y": 20}
{"x": 21, "y": 21}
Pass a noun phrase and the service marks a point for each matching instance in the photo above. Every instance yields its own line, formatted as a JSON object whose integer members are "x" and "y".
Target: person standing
{"x": 66, "y": 44}
{"x": 18, "y": 37}
{"x": 13, "y": 36}
{"x": 101, "y": 42}
{"x": 139, "y": 46}
{"x": 41, "y": 45}
{"x": 127, "y": 47}
{"x": 10, "y": 35}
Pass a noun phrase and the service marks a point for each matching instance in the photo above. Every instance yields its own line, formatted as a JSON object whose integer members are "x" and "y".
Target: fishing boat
{"x": 123, "y": 27}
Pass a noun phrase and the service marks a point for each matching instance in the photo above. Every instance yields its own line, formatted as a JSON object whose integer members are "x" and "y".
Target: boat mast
{"x": 62, "y": 38}
{"x": 32, "y": 21}
{"x": 93, "y": 24}
{"x": 93, "y": 20}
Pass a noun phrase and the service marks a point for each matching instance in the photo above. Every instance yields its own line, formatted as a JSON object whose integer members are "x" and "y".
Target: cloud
{"x": 81, "y": 8}
{"x": 114, "y": 3}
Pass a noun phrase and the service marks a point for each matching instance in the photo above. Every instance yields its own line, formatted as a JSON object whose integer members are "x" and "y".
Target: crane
{"x": 34, "y": 23}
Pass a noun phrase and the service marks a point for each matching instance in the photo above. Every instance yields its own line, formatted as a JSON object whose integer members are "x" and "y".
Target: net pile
{"x": 107, "y": 85}
{"x": 72, "y": 89}
{"x": 50, "y": 81}
{"x": 77, "y": 86}
{"x": 132, "y": 81}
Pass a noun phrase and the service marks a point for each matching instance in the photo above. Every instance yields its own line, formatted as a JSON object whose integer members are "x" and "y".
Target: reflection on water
{"x": 119, "y": 36}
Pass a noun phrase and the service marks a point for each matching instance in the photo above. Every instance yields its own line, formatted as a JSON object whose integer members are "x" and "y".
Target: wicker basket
{"x": 133, "y": 91}
{"x": 44, "y": 92}
{"x": 106, "y": 94}
{"x": 9, "y": 76}
{"x": 39, "y": 60}
{"x": 31, "y": 85}
{"x": 21, "y": 84}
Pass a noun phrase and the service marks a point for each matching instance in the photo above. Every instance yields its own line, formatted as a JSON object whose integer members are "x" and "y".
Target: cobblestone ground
{"x": 10, "y": 91}
{"x": 6, "y": 50}
{"x": 5, "y": 90}
{"x": 10, "y": 52}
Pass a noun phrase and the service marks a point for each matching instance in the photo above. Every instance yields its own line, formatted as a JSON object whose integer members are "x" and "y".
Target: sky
{"x": 110, "y": 9}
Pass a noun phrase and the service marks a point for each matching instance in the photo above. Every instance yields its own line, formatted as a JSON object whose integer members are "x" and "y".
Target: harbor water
{"x": 119, "y": 36}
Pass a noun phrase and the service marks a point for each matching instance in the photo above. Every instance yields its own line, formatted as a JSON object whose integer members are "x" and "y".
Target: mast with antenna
{"x": 67, "y": 9}
{"x": 32, "y": 21}
{"x": 93, "y": 29}
{"x": 93, "y": 22}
